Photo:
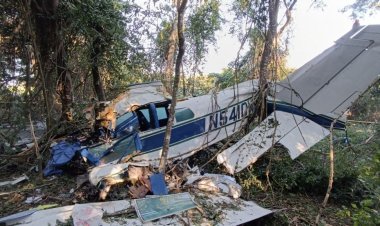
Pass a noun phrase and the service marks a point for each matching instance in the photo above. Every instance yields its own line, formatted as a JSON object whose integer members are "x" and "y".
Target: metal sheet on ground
{"x": 149, "y": 209}
{"x": 232, "y": 212}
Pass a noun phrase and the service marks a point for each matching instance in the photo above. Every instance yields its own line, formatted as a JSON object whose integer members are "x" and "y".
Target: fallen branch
{"x": 38, "y": 154}
{"x": 24, "y": 189}
{"x": 363, "y": 122}
{"x": 331, "y": 177}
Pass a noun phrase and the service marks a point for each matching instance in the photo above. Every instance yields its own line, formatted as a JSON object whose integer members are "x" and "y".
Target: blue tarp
{"x": 62, "y": 153}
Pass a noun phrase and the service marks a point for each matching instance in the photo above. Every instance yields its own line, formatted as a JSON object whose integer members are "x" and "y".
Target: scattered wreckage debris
{"x": 175, "y": 209}
{"x": 15, "y": 181}
{"x": 33, "y": 199}
{"x": 24, "y": 214}
{"x": 215, "y": 183}
{"x": 149, "y": 198}
{"x": 64, "y": 153}
{"x": 152, "y": 208}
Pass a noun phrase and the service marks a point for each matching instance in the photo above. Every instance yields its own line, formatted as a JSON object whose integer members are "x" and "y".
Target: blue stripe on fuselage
{"x": 180, "y": 132}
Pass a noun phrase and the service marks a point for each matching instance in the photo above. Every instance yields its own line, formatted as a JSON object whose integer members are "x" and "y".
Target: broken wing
{"x": 295, "y": 132}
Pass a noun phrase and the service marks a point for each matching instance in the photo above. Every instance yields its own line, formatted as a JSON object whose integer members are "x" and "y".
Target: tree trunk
{"x": 64, "y": 88}
{"x": 183, "y": 82}
{"x": 181, "y": 51}
{"x": 266, "y": 58}
{"x": 269, "y": 40}
{"x": 169, "y": 56}
{"x": 96, "y": 78}
{"x": 45, "y": 39}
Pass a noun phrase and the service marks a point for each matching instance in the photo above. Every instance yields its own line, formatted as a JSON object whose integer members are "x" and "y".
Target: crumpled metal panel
{"x": 141, "y": 94}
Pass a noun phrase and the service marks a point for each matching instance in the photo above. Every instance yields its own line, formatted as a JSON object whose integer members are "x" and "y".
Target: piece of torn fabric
{"x": 86, "y": 215}
{"x": 62, "y": 153}
{"x": 295, "y": 132}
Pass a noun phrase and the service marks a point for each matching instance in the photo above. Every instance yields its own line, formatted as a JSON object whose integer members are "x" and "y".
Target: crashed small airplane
{"x": 300, "y": 107}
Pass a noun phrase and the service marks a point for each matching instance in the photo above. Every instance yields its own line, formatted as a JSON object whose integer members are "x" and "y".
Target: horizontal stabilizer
{"x": 295, "y": 132}
{"x": 332, "y": 81}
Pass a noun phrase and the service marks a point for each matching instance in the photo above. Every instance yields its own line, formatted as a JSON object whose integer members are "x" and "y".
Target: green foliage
{"x": 310, "y": 173}
{"x": 367, "y": 108}
{"x": 162, "y": 39}
{"x": 366, "y": 212}
{"x": 251, "y": 25}
{"x": 228, "y": 77}
{"x": 361, "y": 7}
{"x": 106, "y": 22}
{"x": 224, "y": 79}
{"x": 201, "y": 27}
{"x": 251, "y": 12}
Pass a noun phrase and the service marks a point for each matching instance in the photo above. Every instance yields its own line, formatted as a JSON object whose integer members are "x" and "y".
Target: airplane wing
{"x": 332, "y": 81}
{"x": 296, "y": 133}
{"x": 312, "y": 98}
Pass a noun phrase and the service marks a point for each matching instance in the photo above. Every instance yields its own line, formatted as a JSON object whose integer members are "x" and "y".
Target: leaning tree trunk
{"x": 270, "y": 37}
{"x": 181, "y": 51}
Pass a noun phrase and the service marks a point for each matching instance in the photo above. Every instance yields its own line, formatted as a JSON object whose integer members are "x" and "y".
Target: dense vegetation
{"x": 57, "y": 56}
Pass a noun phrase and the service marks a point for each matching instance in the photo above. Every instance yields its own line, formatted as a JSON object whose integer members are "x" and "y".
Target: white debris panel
{"x": 295, "y": 132}
{"x": 215, "y": 183}
{"x": 94, "y": 214}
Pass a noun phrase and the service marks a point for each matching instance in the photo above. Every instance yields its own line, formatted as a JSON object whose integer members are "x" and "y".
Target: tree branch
{"x": 331, "y": 177}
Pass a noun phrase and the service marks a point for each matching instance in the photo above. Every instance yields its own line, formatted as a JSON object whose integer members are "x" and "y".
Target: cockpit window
{"x": 144, "y": 119}
{"x": 183, "y": 114}
{"x": 126, "y": 124}
{"x": 123, "y": 118}
{"x": 162, "y": 115}
{"x": 152, "y": 116}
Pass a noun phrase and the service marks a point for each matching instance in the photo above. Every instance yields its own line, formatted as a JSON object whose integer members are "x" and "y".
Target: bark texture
{"x": 64, "y": 88}
{"x": 45, "y": 25}
{"x": 266, "y": 59}
{"x": 97, "y": 49}
{"x": 170, "y": 56}
{"x": 181, "y": 51}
